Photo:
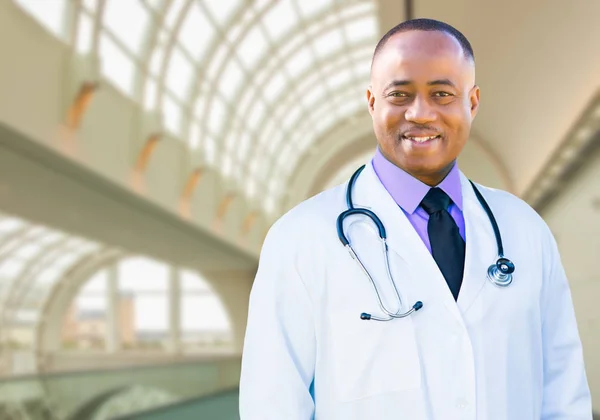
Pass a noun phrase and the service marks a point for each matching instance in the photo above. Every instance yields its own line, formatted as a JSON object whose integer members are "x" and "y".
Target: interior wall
{"x": 574, "y": 218}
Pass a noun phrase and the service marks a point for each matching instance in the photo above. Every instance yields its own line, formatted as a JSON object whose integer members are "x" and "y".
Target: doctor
{"x": 319, "y": 342}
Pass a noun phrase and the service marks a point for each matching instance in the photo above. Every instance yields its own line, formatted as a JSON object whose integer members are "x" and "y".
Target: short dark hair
{"x": 426, "y": 25}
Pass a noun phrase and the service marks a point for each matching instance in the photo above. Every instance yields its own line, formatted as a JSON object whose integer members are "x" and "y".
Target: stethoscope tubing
{"x": 500, "y": 273}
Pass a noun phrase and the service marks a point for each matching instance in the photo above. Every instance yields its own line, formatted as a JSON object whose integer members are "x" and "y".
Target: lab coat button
{"x": 461, "y": 403}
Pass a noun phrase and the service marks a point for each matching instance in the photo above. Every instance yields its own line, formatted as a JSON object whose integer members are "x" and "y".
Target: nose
{"x": 420, "y": 111}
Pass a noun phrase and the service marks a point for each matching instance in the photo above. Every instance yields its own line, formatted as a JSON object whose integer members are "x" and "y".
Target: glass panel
{"x": 221, "y": 10}
{"x": 173, "y": 12}
{"x": 116, "y": 66}
{"x": 328, "y": 42}
{"x": 157, "y": 61}
{"x": 340, "y": 79}
{"x": 84, "y": 34}
{"x": 218, "y": 112}
{"x": 361, "y": 29}
{"x": 11, "y": 268}
{"x": 256, "y": 112}
{"x": 27, "y": 251}
{"x": 210, "y": 149}
{"x": 280, "y": 19}
{"x": 230, "y": 79}
{"x": 192, "y": 282}
{"x": 91, "y": 5}
{"x": 204, "y": 323}
{"x": 196, "y": 31}
{"x": 179, "y": 74}
{"x": 243, "y": 145}
{"x": 274, "y": 87}
{"x": 252, "y": 47}
{"x": 9, "y": 224}
{"x": 172, "y": 115}
{"x": 215, "y": 62}
{"x": 49, "y": 13}
{"x": 127, "y": 20}
{"x": 299, "y": 62}
{"x": 311, "y": 7}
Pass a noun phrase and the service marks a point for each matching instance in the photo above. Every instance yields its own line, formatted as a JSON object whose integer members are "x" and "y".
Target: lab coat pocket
{"x": 373, "y": 357}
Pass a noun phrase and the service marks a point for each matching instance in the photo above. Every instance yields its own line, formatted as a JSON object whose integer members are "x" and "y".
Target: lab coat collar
{"x": 404, "y": 241}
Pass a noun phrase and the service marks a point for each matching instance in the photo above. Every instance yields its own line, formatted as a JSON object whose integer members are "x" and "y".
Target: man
{"x": 474, "y": 350}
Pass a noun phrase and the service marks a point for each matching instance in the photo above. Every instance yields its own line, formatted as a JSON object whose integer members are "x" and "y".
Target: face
{"x": 422, "y": 100}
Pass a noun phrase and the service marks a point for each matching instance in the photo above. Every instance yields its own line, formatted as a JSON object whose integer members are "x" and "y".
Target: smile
{"x": 420, "y": 139}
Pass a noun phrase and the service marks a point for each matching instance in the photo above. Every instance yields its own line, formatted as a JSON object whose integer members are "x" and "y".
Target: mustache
{"x": 419, "y": 128}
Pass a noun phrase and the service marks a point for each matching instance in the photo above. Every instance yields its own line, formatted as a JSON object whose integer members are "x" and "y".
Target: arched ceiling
{"x": 248, "y": 85}
{"x": 251, "y": 86}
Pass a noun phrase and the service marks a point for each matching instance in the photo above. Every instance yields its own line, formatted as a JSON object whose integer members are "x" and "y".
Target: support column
{"x": 174, "y": 311}
{"x": 113, "y": 336}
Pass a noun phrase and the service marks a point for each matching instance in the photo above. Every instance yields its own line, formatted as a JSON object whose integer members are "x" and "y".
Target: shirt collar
{"x": 407, "y": 191}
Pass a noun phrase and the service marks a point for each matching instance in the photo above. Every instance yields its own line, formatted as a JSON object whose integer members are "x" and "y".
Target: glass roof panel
{"x": 252, "y": 47}
{"x": 210, "y": 149}
{"x": 218, "y": 112}
{"x": 299, "y": 62}
{"x": 179, "y": 74}
{"x": 128, "y": 21}
{"x": 328, "y": 42}
{"x": 84, "y": 36}
{"x": 311, "y": 7}
{"x": 339, "y": 78}
{"x": 360, "y": 29}
{"x": 216, "y": 60}
{"x": 196, "y": 31}
{"x": 10, "y": 224}
{"x": 50, "y": 14}
{"x": 230, "y": 79}
{"x": 221, "y": 10}
{"x": 279, "y": 19}
{"x": 115, "y": 65}
{"x": 255, "y": 113}
{"x": 157, "y": 60}
{"x": 173, "y": 12}
{"x": 91, "y": 5}
{"x": 274, "y": 86}
{"x": 172, "y": 115}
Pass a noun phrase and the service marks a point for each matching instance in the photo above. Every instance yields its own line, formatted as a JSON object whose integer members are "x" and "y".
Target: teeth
{"x": 421, "y": 139}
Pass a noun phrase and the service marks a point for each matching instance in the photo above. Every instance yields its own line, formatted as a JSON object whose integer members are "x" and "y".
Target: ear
{"x": 370, "y": 100}
{"x": 474, "y": 101}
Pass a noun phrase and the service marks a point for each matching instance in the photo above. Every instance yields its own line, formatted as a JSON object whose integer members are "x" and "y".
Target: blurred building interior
{"x": 146, "y": 147}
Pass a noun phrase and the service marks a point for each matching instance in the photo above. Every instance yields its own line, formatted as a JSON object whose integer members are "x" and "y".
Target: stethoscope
{"x": 500, "y": 273}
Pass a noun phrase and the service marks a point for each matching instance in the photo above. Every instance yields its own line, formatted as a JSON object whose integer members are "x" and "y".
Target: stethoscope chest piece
{"x": 501, "y": 273}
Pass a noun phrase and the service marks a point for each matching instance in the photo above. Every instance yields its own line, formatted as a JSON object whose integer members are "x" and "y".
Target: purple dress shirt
{"x": 408, "y": 192}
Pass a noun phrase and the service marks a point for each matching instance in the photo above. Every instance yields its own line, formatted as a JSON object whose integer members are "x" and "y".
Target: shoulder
{"x": 514, "y": 210}
{"x": 309, "y": 218}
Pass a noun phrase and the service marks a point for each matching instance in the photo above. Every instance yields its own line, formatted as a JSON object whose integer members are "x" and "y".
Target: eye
{"x": 442, "y": 94}
{"x": 398, "y": 94}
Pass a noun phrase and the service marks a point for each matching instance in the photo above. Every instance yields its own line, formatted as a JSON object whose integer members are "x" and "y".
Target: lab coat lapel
{"x": 402, "y": 239}
{"x": 480, "y": 246}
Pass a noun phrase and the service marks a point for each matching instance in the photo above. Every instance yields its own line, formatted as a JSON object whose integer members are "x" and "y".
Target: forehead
{"x": 421, "y": 55}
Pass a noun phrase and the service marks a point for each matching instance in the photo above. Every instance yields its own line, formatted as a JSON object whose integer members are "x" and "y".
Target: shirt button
{"x": 462, "y": 403}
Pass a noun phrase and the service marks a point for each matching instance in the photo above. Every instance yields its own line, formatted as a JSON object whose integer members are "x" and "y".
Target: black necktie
{"x": 447, "y": 246}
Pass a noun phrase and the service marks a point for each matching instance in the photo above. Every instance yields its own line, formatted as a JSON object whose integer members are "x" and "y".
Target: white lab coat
{"x": 497, "y": 354}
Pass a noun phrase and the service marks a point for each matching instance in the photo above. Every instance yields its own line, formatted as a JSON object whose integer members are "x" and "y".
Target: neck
{"x": 432, "y": 179}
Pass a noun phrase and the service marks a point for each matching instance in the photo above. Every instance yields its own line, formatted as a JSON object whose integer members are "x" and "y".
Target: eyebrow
{"x": 396, "y": 83}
